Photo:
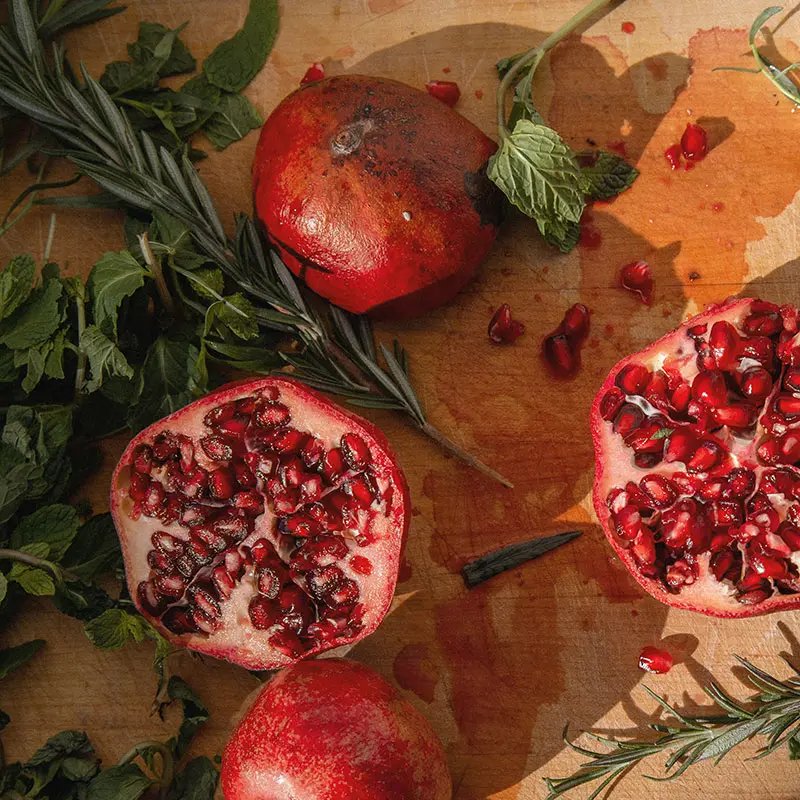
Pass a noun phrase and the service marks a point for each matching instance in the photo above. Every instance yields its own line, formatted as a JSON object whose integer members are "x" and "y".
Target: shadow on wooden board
{"x": 505, "y": 665}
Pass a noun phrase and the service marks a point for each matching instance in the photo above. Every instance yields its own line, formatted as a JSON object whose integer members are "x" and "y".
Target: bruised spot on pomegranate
{"x": 655, "y": 660}
{"x": 637, "y": 278}
{"x": 503, "y": 328}
{"x": 261, "y": 524}
{"x": 340, "y": 160}
{"x": 316, "y": 72}
{"x": 697, "y": 447}
{"x": 446, "y": 91}
{"x": 344, "y": 732}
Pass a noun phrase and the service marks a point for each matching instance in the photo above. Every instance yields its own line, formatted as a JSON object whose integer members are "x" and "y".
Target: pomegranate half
{"x": 375, "y": 194}
{"x": 697, "y": 447}
{"x": 331, "y": 729}
{"x": 261, "y": 523}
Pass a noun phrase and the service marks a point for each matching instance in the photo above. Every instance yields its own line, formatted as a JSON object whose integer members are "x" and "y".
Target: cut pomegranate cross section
{"x": 261, "y": 524}
{"x": 697, "y": 449}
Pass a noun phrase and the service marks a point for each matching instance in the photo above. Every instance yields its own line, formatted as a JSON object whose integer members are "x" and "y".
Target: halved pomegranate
{"x": 375, "y": 194}
{"x": 333, "y": 730}
{"x": 261, "y": 524}
{"x": 697, "y": 448}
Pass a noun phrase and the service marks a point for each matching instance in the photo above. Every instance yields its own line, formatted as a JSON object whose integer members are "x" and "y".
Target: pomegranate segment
{"x": 261, "y": 524}
{"x": 697, "y": 443}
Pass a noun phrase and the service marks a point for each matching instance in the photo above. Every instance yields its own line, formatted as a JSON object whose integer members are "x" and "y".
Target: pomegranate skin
{"x": 333, "y": 730}
{"x": 609, "y": 462}
{"x": 375, "y": 194}
{"x": 243, "y": 645}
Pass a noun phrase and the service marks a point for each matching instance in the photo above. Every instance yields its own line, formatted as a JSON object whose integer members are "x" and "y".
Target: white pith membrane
{"x": 371, "y": 533}
{"x": 761, "y": 571}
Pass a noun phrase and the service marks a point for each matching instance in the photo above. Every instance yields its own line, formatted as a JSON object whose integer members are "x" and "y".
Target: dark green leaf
{"x": 15, "y": 657}
{"x": 120, "y": 782}
{"x": 55, "y": 525}
{"x": 235, "y": 62}
{"x": 66, "y": 743}
{"x": 113, "y": 278}
{"x": 105, "y": 358}
{"x": 95, "y": 548}
{"x": 83, "y": 601}
{"x": 16, "y": 283}
{"x": 194, "y": 713}
{"x": 115, "y": 627}
{"x": 607, "y": 175}
{"x": 233, "y": 120}
{"x": 151, "y": 35}
{"x": 196, "y": 781}
{"x": 34, "y": 322}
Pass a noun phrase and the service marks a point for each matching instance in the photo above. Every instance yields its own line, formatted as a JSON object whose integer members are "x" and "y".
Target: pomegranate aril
{"x": 680, "y": 397}
{"x": 559, "y": 355}
{"x": 790, "y": 533}
{"x": 171, "y": 586}
{"x": 354, "y": 451}
{"x": 272, "y": 415}
{"x": 741, "y": 483}
{"x": 179, "y": 620}
{"x": 160, "y": 561}
{"x": 787, "y": 405}
{"x": 647, "y": 438}
{"x": 333, "y": 464}
{"x": 644, "y": 548}
{"x": 313, "y": 452}
{"x": 165, "y": 446}
{"x": 735, "y": 416}
{"x": 251, "y": 502}
{"x": 324, "y": 630}
{"x": 768, "y": 567}
{"x": 288, "y": 440}
{"x": 268, "y": 583}
{"x": 694, "y": 142}
{"x": 244, "y": 475}
{"x": 633, "y": 378}
{"x": 154, "y": 499}
{"x": 705, "y": 457}
{"x": 673, "y": 156}
{"x": 263, "y": 612}
{"x": 343, "y": 595}
{"x": 199, "y": 552}
{"x": 754, "y": 597}
{"x": 503, "y": 328}
{"x": 201, "y": 598}
{"x": 628, "y": 522}
{"x": 149, "y": 598}
{"x": 660, "y": 490}
{"x": 217, "y": 448}
{"x": 680, "y": 446}
{"x": 362, "y": 489}
{"x": 709, "y": 387}
{"x": 727, "y": 512}
{"x": 234, "y": 562}
{"x": 210, "y": 538}
{"x": 629, "y": 418}
{"x": 726, "y": 566}
{"x": 167, "y": 543}
{"x": 311, "y": 489}
{"x": 655, "y": 660}
{"x": 724, "y": 342}
{"x": 222, "y": 582}
{"x": 361, "y": 565}
{"x": 576, "y": 322}
{"x": 756, "y": 383}
{"x": 321, "y": 582}
{"x": 236, "y": 427}
{"x": 206, "y": 623}
{"x": 637, "y": 278}
{"x": 220, "y": 414}
{"x": 316, "y": 72}
{"x": 764, "y": 319}
{"x": 791, "y": 379}
{"x": 287, "y": 642}
{"x": 221, "y": 484}
{"x": 611, "y": 403}
{"x": 143, "y": 459}
{"x": 680, "y": 573}
{"x": 186, "y": 565}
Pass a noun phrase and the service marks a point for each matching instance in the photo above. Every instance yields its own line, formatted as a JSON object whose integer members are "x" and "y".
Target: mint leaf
{"x": 32, "y": 580}
{"x": 66, "y": 743}
{"x": 3, "y": 587}
{"x": 169, "y": 380}
{"x": 151, "y": 36}
{"x": 16, "y": 283}
{"x": 234, "y": 119}
{"x": 94, "y": 550}
{"x": 235, "y": 62}
{"x": 113, "y": 278}
{"x": 9, "y": 372}
{"x": 196, "y": 781}
{"x": 105, "y": 358}
{"x": 606, "y": 175}
{"x": 36, "y": 321}
{"x": 115, "y": 627}
{"x": 120, "y": 782}
{"x": 208, "y": 282}
{"x": 15, "y": 657}
{"x": 194, "y": 713}
{"x": 236, "y": 313}
{"x": 55, "y": 525}
{"x": 539, "y": 174}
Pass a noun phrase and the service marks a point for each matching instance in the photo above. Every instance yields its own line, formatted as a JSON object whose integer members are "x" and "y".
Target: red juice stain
{"x": 590, "y": 237}
{"x": 657, "y": 67}
{"x": 693, "y": 276}
{"x": 673, "y": 156}
{"x": 479, "y": 94}
{"x": 506, "y": 272}
{"x": 446, "y": 70}
{"x": 414, "y": 670}
{"x": 718, "y": 207}
{"x": 655, "y": 660}
{"x": 637, "y": 278}
{"x": 608, "y": 329}
{"x": 619, "y": 147}
{"x": 634, "y": 612}
{"x": 627, "y": 27}
{"x": 405, "y": 572}
{"x": 694, "y": 142}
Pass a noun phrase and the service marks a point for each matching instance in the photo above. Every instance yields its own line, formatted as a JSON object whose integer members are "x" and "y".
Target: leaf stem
{"x": 158, "y": 274}
{"x": 167, "y": 762}
{"x": 57, "y": 572}
{"x": 536, "y": 53}
{"x": 459, "y": 452}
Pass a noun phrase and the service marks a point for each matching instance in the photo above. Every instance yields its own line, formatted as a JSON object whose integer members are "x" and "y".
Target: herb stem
{"x": 154, "y": 266}
{"x": 459, "y": 452}
{"x": 537, "y": 53}
{"x": 58, "y": 573}
{"x": 167, "y": 762}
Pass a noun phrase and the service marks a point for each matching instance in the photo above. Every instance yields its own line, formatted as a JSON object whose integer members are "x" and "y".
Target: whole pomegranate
{"x": 375, "y": 194}
{"x": 697, "y": 443}
{"x": 333, "y": 730}
{"x": 261, "y": 524}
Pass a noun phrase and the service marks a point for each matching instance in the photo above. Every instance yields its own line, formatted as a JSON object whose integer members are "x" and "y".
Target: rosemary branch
{"x": 772, "y": 716}
{"x": 337, "y": 352}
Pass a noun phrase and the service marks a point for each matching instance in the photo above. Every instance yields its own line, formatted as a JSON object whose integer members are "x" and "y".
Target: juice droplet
{"x": 655, "y": 660}
{"x": 627, "y": 27}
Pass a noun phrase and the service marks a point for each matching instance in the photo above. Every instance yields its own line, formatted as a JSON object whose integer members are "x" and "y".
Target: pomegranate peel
{"x": 249, "y": 518}
{"x": 697, "y": 447}
{"x": 333, "y": 729}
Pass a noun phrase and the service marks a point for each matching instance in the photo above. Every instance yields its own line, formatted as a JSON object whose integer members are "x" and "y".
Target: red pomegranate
{"x": 697, "y": 447}
{"x": 375, "y": 194}
{"x": 333, "y": 730}
{"x": 261, "y": 524}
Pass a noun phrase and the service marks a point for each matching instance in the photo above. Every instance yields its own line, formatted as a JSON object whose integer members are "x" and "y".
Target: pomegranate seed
{"x": 655, "y": 660}
{"x": 235, "y": 427}
{"x": 724, "y": 342}
{"x": 343, "y": 595}
{"x": 324, "y": 630}
{"x": 791, "y": 379}
{"x": 709, "y": 387}
{"x": 741, "y": 482}
{"x": 764, "y": 319}
{"x": 289, "y": 441}
{"x": 680, "y": 397}
{"x": 628, "y": 522}
{"x": 576, "y": 322}
{"x": 673, "y": 156}
{"x": 727, "y": 512}
{"x": 790, "y": 533}
{"x": 659, "y": 489}
{"x": 216, "y": 448}
{"x": 287, "y": 642}
{"x": 361, "y": 565}
{"x": 644, "y": 548}
{"x": 362, "y": 489}
{"x": 726, "y": 566}
{"x": 203, "y": 600}
{"x": 222, "y": 582}
{"x": 355, "y": 451}
{"x": 316, "y": 72}
{"x": 446, "y": 91}
{"x": 221, "y": 484}
{"x": 759, "y": 348}
{"x": 694, "y": 142}
{"x": 154, "y": 498}
{"x": 166, "y": 543}
{"x": 645, "y": 440}
{"x": 637, "y": 278}
{"x": 271, "y": 415}
{"x": 137, "y": 489}
{"x": 754, "y": 597}
{"x": 149, "y": 598}
{"x": 503, "y": 329}
{"x": 787, "y": 405}
{"x": 179, "y": 620}
{"x": 263, "y": 612}
{"x": 756, "y": 383}
{"x": 292, "y": 473}
{"x": 735, "y": 416}
{"x": 313, "y": 452}
{"x": 769, "y": 567}
{"x": 169, "y": 585}
{"x": 143, "y": 459}
{"x": 244, "y": 475}
{"x": 220, "y": 414}
{"x": 333, "y": 464}
{"x": 206, "y": 623}
{"x": 268, "y": 582}
{"x": 706, "y": 456}
{"x": 165, "y": 446}
{"x": 633, "y": 378}
{"x": 681, "y": 573}
{"x": 630, "y": 417}
{"x": 324, "y": 580}
{"x": 611, "y": 403}
{"x": 160, "y": 561}
{"x": 680, "y": 446}
{"x": 697, "y": 331}
{"x": 234, "y": 562}
{"x": 186, "y": 566}
{"x": 559, "y": 355}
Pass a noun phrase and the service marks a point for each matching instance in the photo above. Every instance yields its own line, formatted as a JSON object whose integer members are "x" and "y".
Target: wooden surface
{"x": 500, "y": 669}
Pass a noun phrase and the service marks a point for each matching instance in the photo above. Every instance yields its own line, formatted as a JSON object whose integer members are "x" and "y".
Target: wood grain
{"x": 500, "y": 669}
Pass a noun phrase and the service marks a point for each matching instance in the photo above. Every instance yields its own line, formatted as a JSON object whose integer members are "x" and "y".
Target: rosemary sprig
{"x": 772, "y": 716}
{"x": 336, "y": 353}
{"x": 779, "y": 77}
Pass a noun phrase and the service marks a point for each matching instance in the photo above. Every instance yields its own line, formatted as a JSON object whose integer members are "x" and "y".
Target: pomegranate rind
{"x": 332, "y": 729}
{"x": 252, "y": 652}
{"x": 612, "y": 468}
{"x": 375, "y": 194}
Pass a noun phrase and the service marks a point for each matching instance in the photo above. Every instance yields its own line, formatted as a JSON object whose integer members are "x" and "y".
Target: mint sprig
{"x": 534, "y": 167}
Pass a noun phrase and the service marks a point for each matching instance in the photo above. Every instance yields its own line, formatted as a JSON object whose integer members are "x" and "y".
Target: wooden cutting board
{"x": 500, "y": 669}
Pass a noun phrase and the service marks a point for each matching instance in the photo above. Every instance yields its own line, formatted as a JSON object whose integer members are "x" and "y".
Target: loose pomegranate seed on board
{"x": 656, "y": 660}
{"x": 503, "y": 329}
{"x": 316, "y": 72}
{"x": 562, "y": 348}
{"x": 446, "y": 91}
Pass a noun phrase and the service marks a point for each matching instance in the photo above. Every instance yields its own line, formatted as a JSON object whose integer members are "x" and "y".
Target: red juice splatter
{"x": 627, "y": 27}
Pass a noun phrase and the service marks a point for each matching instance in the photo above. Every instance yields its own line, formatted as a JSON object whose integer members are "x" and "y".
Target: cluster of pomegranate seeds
{"x": 562, "y": 348}
{"x": 706, "y": 435}
{"x": 637, "y": 278}
{"x": 656, "y": 660}
{"x": 693, "y": 147}
{"x": 503, "y": 328}
{"x": 316, "y": 72}
{"x": 446, "y": 91}
{"x": 300, "y": 570}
